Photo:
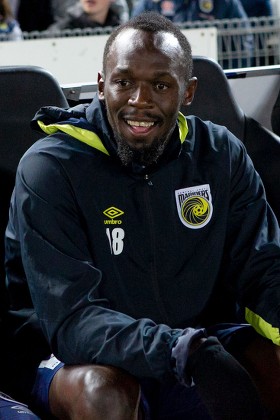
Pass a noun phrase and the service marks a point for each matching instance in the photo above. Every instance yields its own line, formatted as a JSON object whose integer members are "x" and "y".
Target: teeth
{"x": 140, "y": 123}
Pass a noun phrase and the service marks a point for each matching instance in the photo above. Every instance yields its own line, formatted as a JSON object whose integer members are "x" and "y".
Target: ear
{"x": 190, "y": 91}
{"x": 100, "y": 81}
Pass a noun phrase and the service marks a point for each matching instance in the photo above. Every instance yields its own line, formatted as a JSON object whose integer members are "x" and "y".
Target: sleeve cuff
{"x": 180, "y": 353}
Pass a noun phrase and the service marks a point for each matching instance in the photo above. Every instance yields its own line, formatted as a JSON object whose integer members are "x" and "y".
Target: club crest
{"x": 206, "y": 6}
{"x": 194, "y": 206}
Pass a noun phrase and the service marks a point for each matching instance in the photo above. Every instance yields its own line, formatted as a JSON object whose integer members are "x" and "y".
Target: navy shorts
{"x": 40, "y": 392}
{"x": 14, "y": 410}
{"x": 172, "y": 400}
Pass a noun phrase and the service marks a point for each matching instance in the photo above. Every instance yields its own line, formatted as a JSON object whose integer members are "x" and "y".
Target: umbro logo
{"x": 112, "y": 213}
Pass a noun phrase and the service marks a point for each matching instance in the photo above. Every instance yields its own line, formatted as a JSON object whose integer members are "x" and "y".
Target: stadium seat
{"x": 275, "y": 116}
{"x": 24, "y": 89}
{"x": 214, "y": 101}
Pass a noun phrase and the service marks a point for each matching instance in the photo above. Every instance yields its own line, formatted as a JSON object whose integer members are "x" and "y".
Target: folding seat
{"x": 214, "y": 101}
{"x": 23, "y": 89}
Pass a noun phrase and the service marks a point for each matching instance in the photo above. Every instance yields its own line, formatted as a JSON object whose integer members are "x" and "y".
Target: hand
{"x": 216, "y": 372}
{"x": 195, "y": 344}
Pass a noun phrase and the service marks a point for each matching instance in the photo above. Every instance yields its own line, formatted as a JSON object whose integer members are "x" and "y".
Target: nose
{"x": 141, "y": 97}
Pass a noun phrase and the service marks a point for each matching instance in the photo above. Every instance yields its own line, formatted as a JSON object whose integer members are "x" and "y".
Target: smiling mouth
{"x": 145, "y": 124}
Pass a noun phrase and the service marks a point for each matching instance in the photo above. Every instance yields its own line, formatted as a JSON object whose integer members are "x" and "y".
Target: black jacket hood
{"x": 92, "y": 118}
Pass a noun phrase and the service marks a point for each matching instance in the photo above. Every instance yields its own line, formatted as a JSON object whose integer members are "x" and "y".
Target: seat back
{"x": 23, "y": 89}
{"x": 275, "y": 116}
{"x": 214, "y": 101}
{"x": 263, "y": 146}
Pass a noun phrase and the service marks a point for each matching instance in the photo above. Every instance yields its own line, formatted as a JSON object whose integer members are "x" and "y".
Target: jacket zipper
{"x": 153, "y": 265}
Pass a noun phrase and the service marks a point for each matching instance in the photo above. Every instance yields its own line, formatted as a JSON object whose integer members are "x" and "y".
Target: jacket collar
{"x": 89, "y": 124}
{"x": 96, "y": 115}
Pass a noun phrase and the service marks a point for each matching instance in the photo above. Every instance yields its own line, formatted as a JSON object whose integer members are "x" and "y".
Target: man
{"x": 32, "y": 15}
{"x": 183, "y": 11}
{"x": 257, "y": 8}
{"x": 191, "y": 10}
{"x": 88, "y": 14}
{"x": 144, "y": 236}
{"x": 9, "y": 27}
{"x": 60, "y": 6}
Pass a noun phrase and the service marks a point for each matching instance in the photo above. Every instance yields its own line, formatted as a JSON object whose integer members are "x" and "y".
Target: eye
{"x": 123, "y": 83}
{"x": 161, "y": 86}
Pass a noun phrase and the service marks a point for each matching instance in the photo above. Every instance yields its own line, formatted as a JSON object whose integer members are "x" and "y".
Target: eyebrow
{"x": 126, "y": 70}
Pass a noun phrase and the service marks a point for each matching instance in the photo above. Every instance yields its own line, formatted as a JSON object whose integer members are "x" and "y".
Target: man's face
{"x": 143, "y": 90}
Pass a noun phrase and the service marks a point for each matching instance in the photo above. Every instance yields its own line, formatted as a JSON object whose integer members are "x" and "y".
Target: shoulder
{"x": 209, "y": 138}
{"x": 55, "y": 163}
{"x": 199, "y": 127}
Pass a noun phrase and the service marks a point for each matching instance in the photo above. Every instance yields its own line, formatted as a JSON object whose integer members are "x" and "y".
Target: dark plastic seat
{"x": 23, "y": 89}
{"x": 214, "y": 101}
{"x": 275, "y": 116}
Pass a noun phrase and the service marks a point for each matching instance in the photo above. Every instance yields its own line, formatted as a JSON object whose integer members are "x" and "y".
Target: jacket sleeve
{"x": 80, "y": 327}
{"x": 252, "y": 252}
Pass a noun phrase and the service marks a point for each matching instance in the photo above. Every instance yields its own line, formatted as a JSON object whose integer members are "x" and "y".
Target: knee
{"x": 111, "y": 392}
{"x": 94, "y": 392}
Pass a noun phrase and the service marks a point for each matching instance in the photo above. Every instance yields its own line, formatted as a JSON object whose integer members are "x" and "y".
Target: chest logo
{"x": 113, "y": 213}
{"x": 194, "y": 206}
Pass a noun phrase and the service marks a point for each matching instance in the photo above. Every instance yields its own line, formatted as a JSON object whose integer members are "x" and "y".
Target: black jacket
{"x": 120, "y": 259}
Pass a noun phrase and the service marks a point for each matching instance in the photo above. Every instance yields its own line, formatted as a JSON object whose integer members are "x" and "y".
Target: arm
{"x": 63, "y": 281}
{"x": 252, "y": 251}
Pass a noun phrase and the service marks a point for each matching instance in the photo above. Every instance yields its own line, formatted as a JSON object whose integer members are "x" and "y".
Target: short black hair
{"x": 153, "y": 22}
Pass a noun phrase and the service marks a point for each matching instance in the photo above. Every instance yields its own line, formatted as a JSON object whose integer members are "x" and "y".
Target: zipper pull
{"x": 146, "y": 177}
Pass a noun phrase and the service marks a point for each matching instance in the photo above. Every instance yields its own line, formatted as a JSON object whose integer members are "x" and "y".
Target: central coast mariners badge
{"x": 194, "y": 206}
{"x": 206, "y": 6}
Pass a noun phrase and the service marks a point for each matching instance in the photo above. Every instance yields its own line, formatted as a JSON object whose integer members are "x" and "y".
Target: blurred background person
{"x": 257, "y": 8}
{"x": 33, "y": 15}
{"x": 131, "y": 5}
{"x": 121, "y": 8}
{"x": 9, "y": 27}
{"x": 181, "y": 11}
{"x": 190, "y": 10}
{"x": 14, "y": 6}
{"x": 60, "y": 7}
{"x": 88, "y": 14}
